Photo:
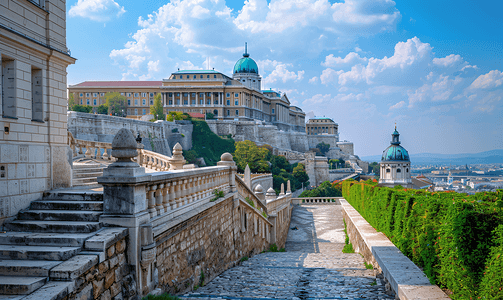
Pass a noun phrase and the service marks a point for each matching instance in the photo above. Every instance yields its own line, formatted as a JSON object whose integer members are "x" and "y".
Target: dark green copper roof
{"x": 246, "y": 64}
{"x": 395, "y": 152}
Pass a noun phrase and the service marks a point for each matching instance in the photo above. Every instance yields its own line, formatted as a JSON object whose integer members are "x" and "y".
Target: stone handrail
{"x": 93, "y": 149}
{"x": 153, "y": 160}
{"x": 278, "y": 203}
{"x": 317, "y": 200}
{"x": 244, "y": 191}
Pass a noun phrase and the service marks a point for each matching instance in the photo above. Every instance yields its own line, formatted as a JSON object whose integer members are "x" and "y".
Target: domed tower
{"x": 395, "y": 164}
{"x": 246, "y": 71}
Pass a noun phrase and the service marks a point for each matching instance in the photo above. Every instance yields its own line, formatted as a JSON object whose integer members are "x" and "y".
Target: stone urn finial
{"x": 226, "y": 160}
{"x": 177, "y": 161}
{"x": 124, "y": 146}
{"x": 270, "y": 195}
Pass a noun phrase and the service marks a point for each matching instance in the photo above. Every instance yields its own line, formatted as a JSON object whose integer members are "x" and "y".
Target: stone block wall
{"x": 110, "y": 277}
{"x": 283, "y": 224}
{"x": 210, "y": 242}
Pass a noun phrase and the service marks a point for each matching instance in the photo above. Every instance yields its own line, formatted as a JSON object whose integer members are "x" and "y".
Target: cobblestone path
{"x": 313, "y": 266}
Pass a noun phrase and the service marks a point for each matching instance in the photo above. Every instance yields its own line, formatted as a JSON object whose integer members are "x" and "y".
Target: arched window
{"x": 388, "y": 170}
{"x": 398, "y": 170}
{"x": 407, "y": 170}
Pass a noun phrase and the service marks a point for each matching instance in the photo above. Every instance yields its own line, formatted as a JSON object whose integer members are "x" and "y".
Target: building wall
{"x": 34, "y": 155}
{"x": 346, "y": 147}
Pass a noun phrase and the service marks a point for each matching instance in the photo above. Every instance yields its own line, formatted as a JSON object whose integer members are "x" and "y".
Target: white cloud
{"x": 489, "y": 80}
{"x": 350, "y": 59}
{"x": 448, "y": 60}
{"x": 313, "y": 80}
{"x": 96, "y": 10}
{"x": 281, "y": 73}
{"x": 440, "y": 89}
{"x": 329, "y": 75}
{"x": 317, "y": 99}
{"x": 398, "y": 105}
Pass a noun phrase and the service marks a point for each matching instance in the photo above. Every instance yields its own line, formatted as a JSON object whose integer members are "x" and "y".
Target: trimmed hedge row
{"x": 457, "y": 239}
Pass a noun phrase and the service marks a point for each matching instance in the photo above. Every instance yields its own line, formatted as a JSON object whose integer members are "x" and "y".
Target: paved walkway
{"x": 313, "y": 266}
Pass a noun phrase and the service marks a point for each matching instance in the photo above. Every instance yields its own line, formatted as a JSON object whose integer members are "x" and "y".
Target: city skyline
{"x": 432, "y": 68}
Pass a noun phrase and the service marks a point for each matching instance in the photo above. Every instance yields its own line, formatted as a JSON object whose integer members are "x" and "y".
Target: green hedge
{"x": 457, "y": 239}
{"x": 209, "y": 145}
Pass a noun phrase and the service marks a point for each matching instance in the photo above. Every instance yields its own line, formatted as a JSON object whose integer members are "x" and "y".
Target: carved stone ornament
{"x": 124, "y": 146}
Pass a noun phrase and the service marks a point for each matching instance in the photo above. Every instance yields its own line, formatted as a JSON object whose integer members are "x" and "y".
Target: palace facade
{"x": 203, "y": 91}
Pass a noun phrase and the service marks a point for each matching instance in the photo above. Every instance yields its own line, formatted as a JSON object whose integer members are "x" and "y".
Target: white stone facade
{"x": 34, "y": 155}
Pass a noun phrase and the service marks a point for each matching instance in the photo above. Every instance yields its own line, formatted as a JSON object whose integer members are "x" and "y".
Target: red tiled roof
{"x": 118, "y": 83}
{"x": 196, "y": 115}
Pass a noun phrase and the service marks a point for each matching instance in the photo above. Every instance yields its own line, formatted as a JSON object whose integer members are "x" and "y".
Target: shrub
{"x": 457, "y": 239}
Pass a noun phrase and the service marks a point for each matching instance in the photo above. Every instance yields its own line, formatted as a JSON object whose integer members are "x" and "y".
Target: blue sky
{"x": 433, "y": 67}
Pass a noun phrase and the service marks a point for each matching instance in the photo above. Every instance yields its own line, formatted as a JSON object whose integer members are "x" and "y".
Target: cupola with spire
{"x": 395, "y": 164}
{"x": 246, "y": 71}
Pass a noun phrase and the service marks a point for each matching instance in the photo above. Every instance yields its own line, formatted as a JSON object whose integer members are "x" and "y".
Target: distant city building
{"x": 202, "y": 91}
{"x": 395, "y": 165}
{"x": 321, "y": 125}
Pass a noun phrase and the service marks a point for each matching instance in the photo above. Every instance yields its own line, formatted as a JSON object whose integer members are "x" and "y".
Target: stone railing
{"x": 317, "y": 200}
{"x": 153, "y": 160}
{"x": 92, "y": 149}
{"x": 246, "y": 192}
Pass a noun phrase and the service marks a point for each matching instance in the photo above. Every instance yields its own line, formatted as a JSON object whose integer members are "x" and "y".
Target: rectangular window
{"x": 236, "y": 102}
{"x": 129, "y": 102}
{"x": 129, "y": 94}
{"x": 170, "y": 94}
{"x": 144, "y": 94}
{"x": 209, "y": 95}
{"x": 237, "y": 112}
{"x": 193, "y": 95}
{"x": 144, "y": 102}
{"x": 185, "y": 94}
{"x": 80, "y": 101}
{"x": 174, "y": 76}
{"x": 193, "y": 101}
{"x": 136, "y": 94}
{"x": 273, "y": 110}
{"x": 201, "y": 95}
{"x": 136, "y": 111}
{"x": 194, "y": 76}
{"x": 201, "y": 101}
{"x": 95, "y": 94}
{"x": 214, "y": 76}
{"x": 207, "y": 76}
{"x": 188, "y": 76}
{"x": 88, "y": 102}
{"x": 236, "y": 95}
{"x": 144, "y": 111}
{"x": 37, "y": 99}
{"x": 170, "y": 102}
{"x": 201, "y": 76}
{"x": 151, "y": 94}
{"x": 87, "y": 94}
{"x": 228, "y": 112}
{"x": 103, "y": 94}
{"x": 228, "y": 95}
{"x": 81, "y": 95}
{"x": 135, "y": 102}
{"x": 228, "y": 102}
{"x": 94, "y": 102}
{"x": 178, "y": 94}
{"x": 185, "y": 102}
{"x": 151, "y": 102}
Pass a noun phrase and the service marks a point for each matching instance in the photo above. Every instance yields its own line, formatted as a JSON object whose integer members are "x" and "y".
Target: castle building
{"x": 33, "y": 134}
{"x": 239, "y": 97}
{"x": 321, "y": 125}
{"x": 395, "y": 165}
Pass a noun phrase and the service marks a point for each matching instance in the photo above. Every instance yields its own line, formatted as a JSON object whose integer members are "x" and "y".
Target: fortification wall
{"x": 314, "y": 140}
{"x": 346, "y": 147}
{"x": 261, "y": 134}
{"x": 159, "y": 137}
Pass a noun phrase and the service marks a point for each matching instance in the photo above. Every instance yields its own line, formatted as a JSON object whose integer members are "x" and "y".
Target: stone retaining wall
{"x": 209, "y": 243}
{"x": 404, "y": 277}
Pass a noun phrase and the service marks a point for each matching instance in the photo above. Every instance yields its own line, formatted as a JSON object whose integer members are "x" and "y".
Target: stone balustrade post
{"x": 226, "y": 160}
{"x": 159, "y": 198}
{"x": 165, "y": 199}
{"x": 179, "y": 188}
{"x": 177, "y": 161}
{"x": 124, "y": 196}
{"x": 151, "y": 201}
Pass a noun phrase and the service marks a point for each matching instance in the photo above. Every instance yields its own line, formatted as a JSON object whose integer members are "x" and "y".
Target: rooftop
{"x": 196, "y": 72}
{"x": 118, "y": 84}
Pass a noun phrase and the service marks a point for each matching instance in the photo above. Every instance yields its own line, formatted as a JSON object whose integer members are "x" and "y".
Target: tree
{"x": 209, "y": 116}
{"x": 375, "y": 168}
{"x": 174, "y": 115}
{"x": 82, "y": 108}
{"x": 326, "y": 189}
{"x": 102, "y": 109}
{"x": 300, "y": 174}
{"x": 116, "y": 104}
{"x": 247, "y": 152}
{"x": 157, "y": 110}
{"x": 71, "y": 101}
{"x": 336, "y": 163}
{"x": 324, "y": 148}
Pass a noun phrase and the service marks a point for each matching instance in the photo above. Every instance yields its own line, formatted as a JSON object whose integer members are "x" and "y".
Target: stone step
{"x": 74, "y": 196}
{"x": 12, "y": 285}
{"x": 87, "y": 166}
{"x": 67, "y": 205}
{"x": 27, "y": 267}
{"x": 89, "y": 185}
{"x": 52, "y": 226}
{"x": 37, "y": 252}
{"x": 57, "y": 290}
{"x": 60, "y": 215}
{"x": 86, "y": 174}
{"x": 84, "y": 180}
{"x": 45, "y": 239}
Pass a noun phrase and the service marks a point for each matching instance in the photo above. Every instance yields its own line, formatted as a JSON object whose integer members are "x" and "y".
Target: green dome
{"x": 395, "y": 152}
{"x": 246, "y": 65}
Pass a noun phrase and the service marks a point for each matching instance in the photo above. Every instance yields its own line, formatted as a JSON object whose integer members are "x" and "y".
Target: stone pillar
{"x": 226, "y": 160}
{"x": 270, "y": 195}
{"x": 282, "y": 189}
{"x": 259, "y": 192}
{"x": 124, "y": 196}
{"x": 288, "y": 188}
{"x": 177, "y": 161}
{"x": 247, "y": 177}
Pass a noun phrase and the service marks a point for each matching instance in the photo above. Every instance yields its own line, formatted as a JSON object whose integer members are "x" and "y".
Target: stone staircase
{"x": 85, "y": 173}
{"x": 50, "y": 232}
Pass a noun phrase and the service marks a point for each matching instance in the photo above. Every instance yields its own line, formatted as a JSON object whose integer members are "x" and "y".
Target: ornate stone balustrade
{"x": 153, "y": 160}
{"x": 92, "y": 149}
{"x": 245, "y": 192}
{"x": 317, "y": 200}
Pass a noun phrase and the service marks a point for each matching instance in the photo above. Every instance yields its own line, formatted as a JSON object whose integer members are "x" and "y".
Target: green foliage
{"x": 249, "y": 201}
{"x": 300, "y": 175}
{"x": 82, "y": 108}
{"x": 157, "y": 110}
{"x": 375, "y": 168}
{"x": 102, "y": 109}
{"x": 71, "y": 101}
{"x": 457, "y": 239}
{"x": 174, "y": 116}
{"x": 324, "y": 148}
{"x": 218, "y": 194}
{"x": 245, "y": 258}
{"x": 348, "y": 248}
{"x": 264, "y": 214}
{"x": 116, "y": 104}
{"x": 209, "y": 116}
{"x": 247, "y": 153}
{"x": 273, "y": 248}
{"x": 161, "y": 297}
{"x": 209, "y": 145}
{"x": 368, "y": 266}
{"x": 326, "y": 189}
{"x": 336, "y": 163}
{"x": 191, "y": 157}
